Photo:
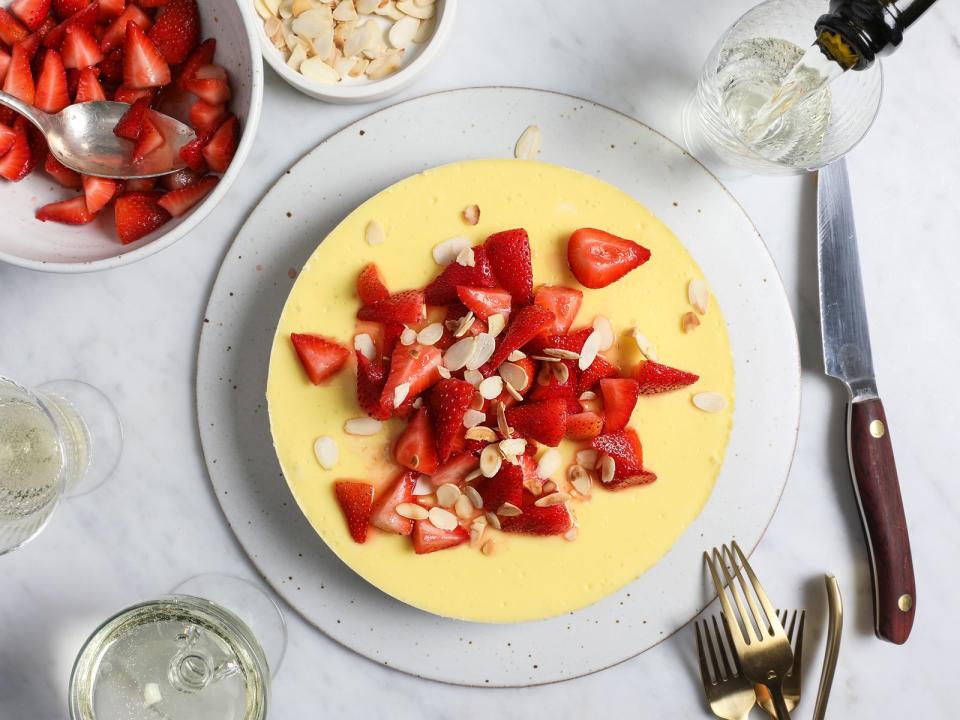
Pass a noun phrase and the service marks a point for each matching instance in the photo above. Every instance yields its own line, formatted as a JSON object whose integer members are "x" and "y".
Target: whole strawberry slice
{"x": 544, "y": 421}
{"x": 51, "y": 93}
{"x": 655, "y": 378}
{"x": 583, "y": 425}
{"x": 449, "y": 401}
{"x": 402, "y": 307}
{"x": 321, "y": 357}
{"x": 483, "y": 302}
{"x": 114, "y": 36}
{"x": 176, "y": 30}
{"x": 416, "y": 447}
{"x": 455, "y": 469}
{"x": 428, "y": 538}
{"x": 143, "y": 65}
{"x": 179, "y": 202}
{"x": 32, "y": 12}
{"x": 550, "y": 520}
{"x": 19, "y": 79}
{"x": 384, "y": 515}
{"x": 504, "y": 487}
{"x": 131, "y": 124}
{"x": 625, "y": 449}
{"x": 371, "y": 287}
{"x": 509, "y": 254}
{"x": 89, "y": 88}
{"x": 644, "y": 477}
{"x": 600, "y": 368}
{"x": 371, "y": 377}
{"x": 598, "y": 258}
{"x": 416, "y": 367}
{"x": 356, "y": 501}
{"x": 62, "y": 174}
{"x": 563, "y": 302}
{"x": 619, "y": 398}
{"x": 443, "y": 289}
{"x": 86, "y": 18}
{"x": 68, "y": 212}
{"x": 527, "y": 323}
{"x": 572, "y": 341}
{"x": 80, "y": 48}
{"x": 97, "y": 192}
{"x": 137, "y": 214}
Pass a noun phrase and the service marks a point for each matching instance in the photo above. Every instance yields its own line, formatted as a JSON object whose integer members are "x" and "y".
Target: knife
{"x": 846, "y": 356}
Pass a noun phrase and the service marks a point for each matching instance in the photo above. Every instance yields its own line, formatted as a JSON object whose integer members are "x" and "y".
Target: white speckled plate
{"x": 310, "y": 200}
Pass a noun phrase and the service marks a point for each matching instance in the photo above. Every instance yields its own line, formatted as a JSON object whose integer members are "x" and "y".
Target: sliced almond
{"x": 588, "y": 353}
{"x": 471, "y": 419}
{"x": 447, "y": 495}
{"x": 474, "y": 377}
{"x": 417, "y": 404}
{"x": 479, "y": 432}
{"x": 561, "y": 353}
{"x": 322, "y": 46}
{"x": 492, "y": 520}
{"x": 488, "y": 548}
{"x": 460, "y": 353}
{"x": 301, "y": 6}
{"x": 513, "y": 446}
{"x": 643, "y": 343}
{"x": 514, "y": 393}
{"x": 424, "y": 31}
{"x": 473, "y": 475}
{"x": 400, "y": 393}
{"x": 608, "y": 468}
{"x": 385, "y": 64}
{"x": 477, "y": 529}
{"x": 446, "y": 252}
{"x": 490, "y": 461}
{"x": 561, "y": 372}
{"x": 318, "y": 71}
{"x": 509, "y": 510}
{"x": 362, "y": 426}
{"x": 502, "y": 425}
{"x": 516, "y": 355}
{"x": 689, "y": 321}
{"x": 444, "y": 373}
{"x": 443, "y": 519}
{"x": 411, "y": 511}
{"x": 327, "y": 452}
{"x": 495, "y": 324}
{"x": 408, "y": 336}
{"x": 423, "y": 487}
{"x": 374, "y": 234}
{"x": 388, "y": 10}
{"x": 430, "y": 334}
{"x": 272, "y": 26}
{"x": 486, "y": 345}
{"x": 549, "y": 463}
{"x": 528, "y": 144}
{"x": 361, "y": 38}
{"x": 557, "y": 498}
{"x": 477, "y": 401}
{"x": 467, "y": 258}
{"x": 473, "y": 496}
{"x": 710, "y": 402}
{"x": 514, "y": 374}
{"x": 471, "y": 214}
{"x": 571, "y": 534}
{"x": 580, "y": 480}
{"x": 359, "y": 67}
{"x": 466, "y": 322}
{"x": 344, "y": 66}
{"x": 491, "y": 387}
{"x": 463, "y": 507}
{"x": 698, "y": 295}
{"x": 265, "y": 14}
{"x": 587, "y": 458}
{"x": 409, "y": 7}
{"x": 365, "y": 7}
{"x": 602, "y": 326}
{"x": 545, "y": 358}
{"x": 587, "y": 395}
{"x": 345, "y": 11}
{"x": 402, "y": 32}
{"x": 313, "y": 23}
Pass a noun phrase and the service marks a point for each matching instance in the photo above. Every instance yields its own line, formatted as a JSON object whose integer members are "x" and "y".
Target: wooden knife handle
{"x": 874, "y": 473}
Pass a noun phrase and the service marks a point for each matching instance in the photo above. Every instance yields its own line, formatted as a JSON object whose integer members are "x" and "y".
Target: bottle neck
{"x": 855, "y": 32}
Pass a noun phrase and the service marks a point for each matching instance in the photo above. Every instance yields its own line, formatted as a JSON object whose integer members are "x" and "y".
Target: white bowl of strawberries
{"x": 198, "y": 62}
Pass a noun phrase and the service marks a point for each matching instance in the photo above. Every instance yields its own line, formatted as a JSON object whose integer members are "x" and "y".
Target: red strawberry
{"x": 143, "y": 65}
{"x": 17, "y": 163}
{"x": 203, "y": 55}
{"x": 562, "y": 302}
{"x": 485, "y": 303}
{"x": 86, "y": 18}
{"x": 209, "y": 83}
{"x": 544, "y": 421}
{"x": 449, "y": 401}
{"x": 625, "y": 448}
{"x": 600, "y": 368}
{"x": 403, "y": 307}
{"x": 140, "y": 185}
{"x": 4, "y": 67}
{"x": 571, "y": 341}
{"x": 321, "y": 357}
{"x": 455, "y": 469}
{"x": 111, "y": 68}
{"x": 150, "y": 138}
{"x": 370, "y": 380}
{"x": 384, "y": 515}
{"x": 221, "y": 148}
{"x": 110, "y": 9}
{"x": 12, "y": 30}
{"x": 131, "y": 124}
{"x": 137, "y": 214}
{"x": 527, "y": 323}
{"x": 505, "y": 486}
{"x": 179, "y": 179}
{"x": 356, "y": 501}
{"x": 178, "y": 202}
{"x": 117, "y": 31}
{"x": 619, "y": 398}
{"x": 129, "y": 95}
{"x": 192, "y": 153}
{"x": 656, "y": 378}
{"x": 19, "y": 80}
{"x": 45, "y": 27}
{"x": 32, "y": 12}
{"x": 414, "y": 364}
{"x": 61, "y": 173}
{"x": 370, "y": 285}
{"x": 80, "y": 48}
{"x": 176, "y": 31}
{"x": 416, "y": 447}
{"x": 443, "y": 289}
{"x": 428, "y": 538}
{"x": 509, "y": 254}
{"x": 551, "y": 520}
{"x": 598, "y": 258}
{"x": 644, "y": 477}
{"x": 530, "y": 371}
{"x": 66, "y": 8}
{"x": 554, "y": 388}
{"x": 153, "y": 3}
{"x": 206, "y": 117}
{"x": 583, "y": 425}
{"x": 68, "y": 212}
{"x": 38, "y": 145}
{"x": 89, "y": 88}
{"x": 97, "y": 192}
{"x": 8, "y": 136}
{"x": 389, "y": 339}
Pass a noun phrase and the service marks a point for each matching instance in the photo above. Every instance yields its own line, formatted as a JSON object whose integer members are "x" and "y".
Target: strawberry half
{"x": 143, "y": 65}
{"x": 509, "y": 254}
{"x": 655, "y": 378}
{"x": 384, "y": 514}
{"x": 178, "y": 202}
{"x": 551, "y": 520}
{"x": 19, "y": 80}
{"x": 114, "y": 36}
{"x": 416, "y": 447}
{"x": 598, "y": 258}
{"x": 563, "y": 302}
{"x": 321, "y": 357}
{"x": 527, "y": 323}
{"x": 415, "y": 365}
{"x": 600, "y": 368}
{"x": 443, "y": 289}
{"x": 544, "y": 421}
{"x": 449, "y": 401}
{"x": 12, "y": 30}
{"x": 66, "y": 8}
{"x": 150, "y": 139}
{"x": 8, "y": 136}
{"x": 583, "y": 425}
{"x": 137, "y": 214}
{"x": 403, "y": 307}
{"x": 86, "y": 18}
{"x": 205, "y": 117}
{"x": 176, "y": 30}
{"x": 356, "y": 501}
{"x": 555, "y": 388}
{"x": 97, "y": 192}
{"x": 131, "y": 124}
{"x": 210, "y": 83}
{"x": 80, "y": 48}
{"x": 222, "y": 146}
{"x": 110, "y": 9}
{"x": 619, "y": 398}
{"x": 371, "y": 287}
{"x": 505, "y": 486}
{"x": 428, "y": 538}
{"x": 61, "y": 173}
{"x": 485, "y": 303}
{"x": 203, "y": 55}
{"x": 455, "y": 469}
{"x": 130, "y": 95}
{"x": 625, "y": 448}
{"x": 571, "y": 341}
{"x": 68, "y": 212}
{"x": 89, "y": 88}
{"x": 32, "y": 12}
{"x": 644, "y": 477}
{"x": 371, "y": 377}
{"x": 17, "y": 163}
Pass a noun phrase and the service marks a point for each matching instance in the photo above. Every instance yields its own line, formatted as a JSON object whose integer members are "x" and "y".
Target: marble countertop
{"x": 133, "y": 332}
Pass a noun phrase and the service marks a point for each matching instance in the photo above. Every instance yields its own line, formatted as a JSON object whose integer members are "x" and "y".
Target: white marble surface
{"x": 134, "y": 333}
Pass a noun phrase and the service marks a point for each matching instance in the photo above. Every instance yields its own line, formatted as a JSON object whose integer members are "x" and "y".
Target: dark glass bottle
{"x": 855, "y": 32}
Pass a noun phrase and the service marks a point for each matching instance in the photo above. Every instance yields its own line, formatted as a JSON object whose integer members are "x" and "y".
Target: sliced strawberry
{"x": 143, "y": 65}
{"x": 117, "y": 32}
{"x": 389, "y": 339}
{"x": 4, "y": 67}
{"x": 203, "y": 55}
{"x": 153, "y": 3}
{"x": 97, "y": 192}
{"x": 210, "y": 83}
{"x": 625, "y": 448}
{"x": 505, "y": 486}
{"x": 111, "y": 69}
{"x": 598, "y": 258}
{"x": 150, "y": 138}
{"x": 415, "y": 364}
{"x": 66, "y": 8}
{"x": 68, "y": 212}
{"x": 33, "y": 12}
{"x": 61, "y": 173}
{"x": 80, "y": 48}
{"x": 550, "y": 520}
{"x": 89, "y": 88}
{"x": 17, "y": 163}
{"x": 563, "y": 302}
{"x": 19, "y": 80}
{"x": 110, "y": 9}
{"x": 176, "y": 31}
{"x": 416, "y": 447}
{"x": 583, "y": 425}
{"x": 86, "y": 17}
{"x": 428, "y": 538}
{"x": 356, "y": 501}
{"x": 140, "y": 185}
{"x": 455, "y": 469}
{"x": 131, "y": 124}
{"x": 137, "y": 214}
{"x": 221, "y": 148}
{"x": 179, "y": 179}
{"x": 130, "y": 95}
{"x": 572, "y": 341}
{"x": 485, "y": 303}
{"x": 45, "y": 27}
{"x": 206, "y": 117}
{"x": 443, "y": 289}
{"x": 644, "y": 477}
{"x": 599, "y": 369}
{"x": 321, "y": 357}
{"x": 509, "y": 254}
{"x": 384, "y": 514}
{"x": 555, "y": 388}
{"x": 529, "y": 371}
{"x": 544, "y": 421}
{"x": 403, "y": 307}
{"x": 178, "y": 202}
{"x": 371, "y": 377}
{"x": 8, "y": 136}
{"x": 192, "y": 153}
{"x": 371, "y": 287}
{"x": 656, "y": 378}
{"x": 449, "y": 400}
{"x": 619, "y": 398}
{"x": 12, "y": 30}
{"x": 526, "y": 324}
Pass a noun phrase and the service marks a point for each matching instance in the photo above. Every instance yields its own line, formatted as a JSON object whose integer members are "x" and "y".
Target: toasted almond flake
{"x": 513, "y": 446}
{"x": 365, "y": 7}
{"x": 408, "y": 7}
{"x": 301, "y": 6}
{"x": 467, "y": 258}
{"x": 317, "y": 70}
{"x": 491, "y": 387}
{"x": 545, "y": 358}
{"x": 423, "y": 486}
{"x": 272, "y": 26}
{"x": 689, "y": 321}
{"x": 428, "y": 501}
{"x": 479, "y": 432}
{"x": 580, "y": 480}
{"x": 588, "y": 353}
{"x": 698, "y": 295}
{"x": 443, "y": 519}
{"x": 514, "y": 374}
{"x": 514, "y": 393}
{"x": 608, "y": 467}
{"x": 561, "y": 353}
{"x": 575, "y": 472}
{"x": 400, "y": 393}
{"x": 561, "y": 372}
{"x": 471, "y": 419}
{"x": 587, "y": 458}
{"x": 549, "y": 486}
{"x": 488, "y": 548}
{"x": 571, "y": 534}
{"x": 364, "y": 344}
{"x": 549, "y": 463}
{"x": 509, "y": 510}
{"x": 430, "y": 334}
{"x": 477, "y": 401}
{"x": 285, "y": 9}
{"x": 486, "y": 345}
{"x": 443, "y": 372}
{"x": 587, "y": 395}
{"x": 446, "y": 252}
{"x": 344, "y": 65}
{"x": 477, "y": 529}
{"x": 364, "y": 36}
{"x": 557, "y": 498}
{"x": 385, "y": 64}
{"x": 264, "y": 12}
{"x": 327, "y": 452}
{"x": 502, "y": 425}
{"x": 359, "y": 67}
{"x": 710, "y": 402}
{"x": 516, "y": 355}
{"x": 602, "y": 325}
{"x": 408, "y": 336}
{"x": 474, "y": 377}
{"x": 447, "y": 495}
{"x": 463, "y": 507}
{"x": 402, "y": 32}
{"x": 412, "y": 511}
{"x": 490, "y": 461}
{"x": 643, "y": 343}
{"x": 465, "y": 323}
{"x": 423, "y": 3}
{"x": 362, "y": 426}
{"x": 374, "y": 234}
{"x": 492, "y": 520}
{"x": 471, "y": 214}
{"x": 533, "y": 484}
{"x": 322, "y": 45}
{"x": 388, "y": 10}
{"x": 460, "y": 353}
{"x": 424, "y": 31}
{"x": 473, "y": 497}
{"x": 496, "y": 323}
{"x": 473, "y": 475}
{"x": 312, "y": 23}
{"x": 417, "y": 404}
{"x": 528, "y": 144}
{"x": 345, "y": 11}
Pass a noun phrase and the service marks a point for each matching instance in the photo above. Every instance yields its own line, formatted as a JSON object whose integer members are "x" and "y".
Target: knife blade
{"x": 847, "y": 357}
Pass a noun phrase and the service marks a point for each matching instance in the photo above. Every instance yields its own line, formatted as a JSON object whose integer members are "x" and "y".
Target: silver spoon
{"x": 81, "y": 137}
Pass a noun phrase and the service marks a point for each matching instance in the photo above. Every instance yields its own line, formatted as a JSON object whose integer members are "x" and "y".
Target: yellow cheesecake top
{"x": 621, "y": 534}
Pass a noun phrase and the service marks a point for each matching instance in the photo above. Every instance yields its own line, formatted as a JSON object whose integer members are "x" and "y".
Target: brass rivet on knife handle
{"x": 878, "y": 429}
{"x": 905, "y": 603}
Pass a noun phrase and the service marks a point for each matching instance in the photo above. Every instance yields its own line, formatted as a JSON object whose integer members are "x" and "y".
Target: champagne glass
{"x": 61, "y": 438}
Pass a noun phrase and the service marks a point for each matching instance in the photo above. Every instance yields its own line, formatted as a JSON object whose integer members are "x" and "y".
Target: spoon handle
{"x": 37, "y": 117}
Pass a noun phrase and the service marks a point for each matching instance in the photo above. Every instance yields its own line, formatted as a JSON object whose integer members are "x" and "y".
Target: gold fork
{"x": 758, "y": 638}
{"x": 791, "y": 682}
{"x": 729, "y": 694}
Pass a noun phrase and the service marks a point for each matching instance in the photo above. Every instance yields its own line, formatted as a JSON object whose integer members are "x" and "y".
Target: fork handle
{"x": 779, "y": 704}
